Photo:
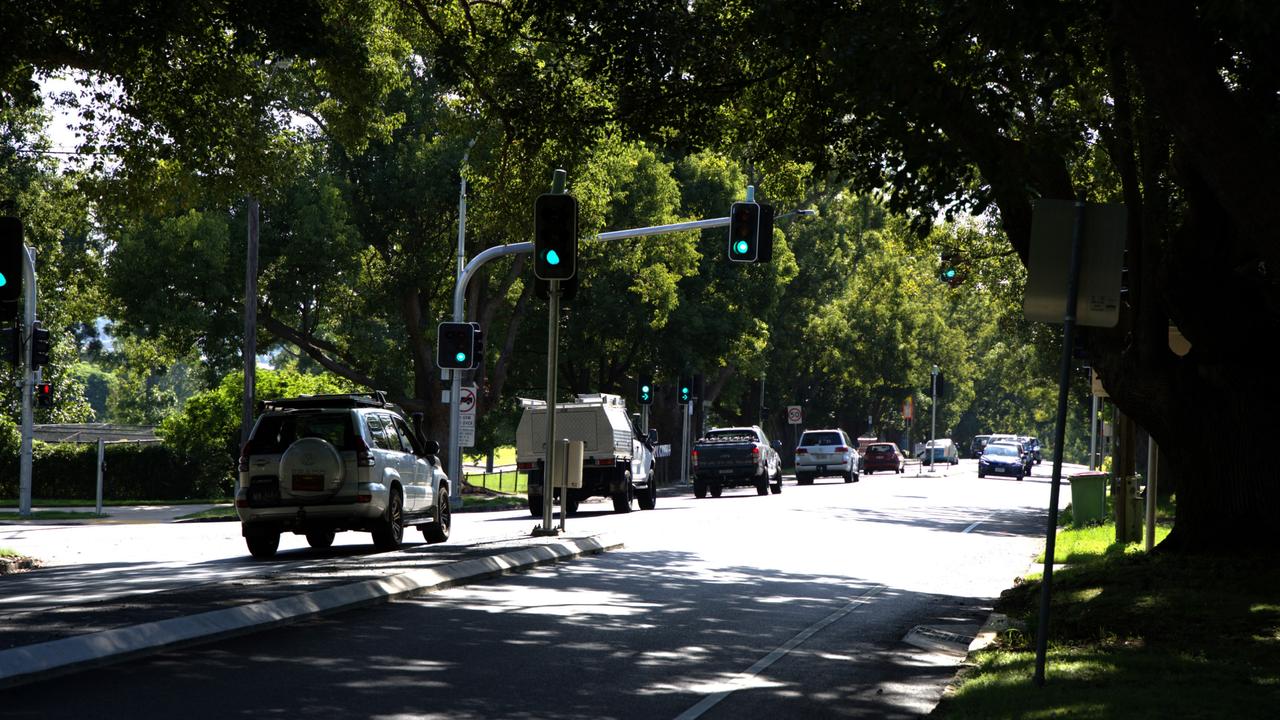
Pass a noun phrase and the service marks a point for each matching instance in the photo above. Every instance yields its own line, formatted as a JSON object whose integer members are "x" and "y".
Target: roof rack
{"x": 376, "y": 399}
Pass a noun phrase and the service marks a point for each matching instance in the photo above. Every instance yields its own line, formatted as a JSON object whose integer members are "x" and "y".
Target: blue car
{"x": 1002, "y": 459}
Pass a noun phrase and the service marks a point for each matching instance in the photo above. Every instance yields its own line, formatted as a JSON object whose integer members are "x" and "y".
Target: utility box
{"x": 1088, "y": 497}
{"x": 569, "y": 464}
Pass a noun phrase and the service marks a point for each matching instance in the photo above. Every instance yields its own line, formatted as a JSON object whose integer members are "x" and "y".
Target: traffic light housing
{"x": 11, "y": 262}
{"x": 39, "y": 345}
{"x": 44, "y": 395}
{"x": 477, "y": 346}
{"x": 744, "y": 232}
{"x": 555, "y": 237}
{"x": 455, "y": 345}
{"x": 644, "y": 390}
{"x": 684, "y": 391}
{"x": 949, "y": 269}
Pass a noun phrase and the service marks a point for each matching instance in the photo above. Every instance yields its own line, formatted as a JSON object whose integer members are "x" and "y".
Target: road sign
{"x": 794, "y": 414}
{"x": 1102, "y": 260}
{"x": 467, "y": 416}
{"x": 467, "y": 399}
{"x": 908, "y": 409}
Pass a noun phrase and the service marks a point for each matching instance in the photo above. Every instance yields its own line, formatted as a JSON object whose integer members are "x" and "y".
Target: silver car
{"x": 826, "y": 453}
{"x": 317, "y": 465}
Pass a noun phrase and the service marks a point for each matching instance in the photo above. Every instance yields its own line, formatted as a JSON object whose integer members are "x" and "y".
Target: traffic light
{"x": 39, "y": 345}
{"x": 455, "y": 345}
{"x": 949, "y": 270}
{"x": 11, "y": 262}
{"x": 938, "y": 385}
{"x": 555, "y": 237}
{"x": 644, "y": 390}
{"x": 744, "y": 232}
{"x": 11, "y": 345}
{"x": 684, "y": 391}
{"x": 44, "y": 395}
{"x": 698, "y": 386}
{"x": 477, "y": 346}
{"x": 764, "y": 244}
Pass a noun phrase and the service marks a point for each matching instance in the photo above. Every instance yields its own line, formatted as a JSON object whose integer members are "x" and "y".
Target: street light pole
{"x": 933, "y": 424}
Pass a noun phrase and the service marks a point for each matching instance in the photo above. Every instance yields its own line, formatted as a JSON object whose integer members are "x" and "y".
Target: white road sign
{"x": 794, "y": 414}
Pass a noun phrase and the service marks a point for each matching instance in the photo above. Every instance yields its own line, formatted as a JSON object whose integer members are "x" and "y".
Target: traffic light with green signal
{"x": 684, "y": 391}
{"x": 455, "y": 346}
{"x": 744, "y": 232}
{"x": 644, "y": 390}
{"x": 555, "y": 236}
{"x": 950, "y": 269}
{"x": 11, "y": 261}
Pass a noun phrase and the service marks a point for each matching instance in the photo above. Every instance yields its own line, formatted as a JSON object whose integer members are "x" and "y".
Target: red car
{"x": 882, "y": 456}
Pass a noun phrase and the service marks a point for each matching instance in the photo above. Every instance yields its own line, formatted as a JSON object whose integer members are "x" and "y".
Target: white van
{"x": 942, "y": 450}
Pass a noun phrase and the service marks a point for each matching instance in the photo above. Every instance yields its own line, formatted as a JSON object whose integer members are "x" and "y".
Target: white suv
{"x": 826, "y": 452}
{"x": 319, "y": 464}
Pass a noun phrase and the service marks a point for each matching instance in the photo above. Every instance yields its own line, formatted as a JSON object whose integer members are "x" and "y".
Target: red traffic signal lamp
{"x": 44, "y": 395}
{"x": 555, "y": 236}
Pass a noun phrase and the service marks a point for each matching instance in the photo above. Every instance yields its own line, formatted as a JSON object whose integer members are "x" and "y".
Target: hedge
{"x": 134, "y": 471}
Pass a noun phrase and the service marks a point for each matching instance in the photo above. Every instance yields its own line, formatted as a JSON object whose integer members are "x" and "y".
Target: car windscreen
{"x": 821, "y": 438}
{"x": 880, "y": 450}
{"x": 275, "y": 433}
{"x": 1005, "y": 450}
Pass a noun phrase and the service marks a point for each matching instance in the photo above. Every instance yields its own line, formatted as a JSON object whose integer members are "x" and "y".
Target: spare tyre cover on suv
{"x": 310, "y": 468}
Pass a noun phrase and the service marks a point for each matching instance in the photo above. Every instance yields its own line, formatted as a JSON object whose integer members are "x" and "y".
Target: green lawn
{"x": 1133, "y": 635}
{"x": 504, "y": 455}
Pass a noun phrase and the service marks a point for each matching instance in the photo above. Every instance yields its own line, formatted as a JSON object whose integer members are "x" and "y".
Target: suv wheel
{"x": 622, "y": 499}
{"x": 699, "y": 488}
{"x": 535, "y": 505}
{"x": 437, "y": 531}
{"x": 389, "y": 533}
{"x": 320, "y": 539}
{"x": 263, "y": 545}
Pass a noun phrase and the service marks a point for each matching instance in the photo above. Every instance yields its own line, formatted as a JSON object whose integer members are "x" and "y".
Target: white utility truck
{"x": 617, "y": 460}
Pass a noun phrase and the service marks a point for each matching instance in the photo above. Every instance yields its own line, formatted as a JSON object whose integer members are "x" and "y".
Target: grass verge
{"x": 12, "y": 503}
{"x": 1133, "y": 635}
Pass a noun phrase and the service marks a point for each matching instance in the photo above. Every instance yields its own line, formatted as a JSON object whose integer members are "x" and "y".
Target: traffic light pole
{"x": 469, "y": 271}
{"x": 28, "y": 381}
{"x": 933, "y": 424}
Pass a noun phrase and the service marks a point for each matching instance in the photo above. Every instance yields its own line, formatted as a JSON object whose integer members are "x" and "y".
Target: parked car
{"x": 823, "y": 453}
{"x": 942, "y": 450}
{"x": 978, "y": 444}
{"x": 1002, "y": 458}
{"x": 320, "y": 464}
{"x": 883, "y": 456}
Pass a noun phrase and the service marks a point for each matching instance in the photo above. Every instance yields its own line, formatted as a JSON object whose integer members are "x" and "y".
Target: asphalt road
{"x": 825, "y": 601}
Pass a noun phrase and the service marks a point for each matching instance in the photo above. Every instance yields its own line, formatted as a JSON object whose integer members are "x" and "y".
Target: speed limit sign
{"x": 794, "y": 416}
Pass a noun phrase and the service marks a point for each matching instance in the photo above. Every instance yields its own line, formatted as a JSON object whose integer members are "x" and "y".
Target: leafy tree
{"x": 208, "y": 428}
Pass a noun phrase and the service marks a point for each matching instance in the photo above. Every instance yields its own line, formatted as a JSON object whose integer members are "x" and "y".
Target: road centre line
{"x": 740, "y": 680}
{"x": 971, "y": 527}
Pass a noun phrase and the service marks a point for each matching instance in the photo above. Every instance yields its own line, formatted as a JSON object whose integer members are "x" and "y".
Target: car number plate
{"x": 726, "y": 472}
{"x": 308, "y": 483}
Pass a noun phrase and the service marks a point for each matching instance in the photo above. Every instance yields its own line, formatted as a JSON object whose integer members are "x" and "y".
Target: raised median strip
{"x": 41, "y": 661}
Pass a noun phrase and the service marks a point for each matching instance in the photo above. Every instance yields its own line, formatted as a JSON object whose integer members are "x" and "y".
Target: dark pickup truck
{"x": 735, "y": 457}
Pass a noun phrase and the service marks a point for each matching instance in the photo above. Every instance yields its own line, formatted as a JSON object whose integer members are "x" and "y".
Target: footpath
{"x": 37, "y": 643}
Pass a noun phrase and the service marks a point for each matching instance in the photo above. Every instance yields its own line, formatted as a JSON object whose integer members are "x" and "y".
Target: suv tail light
{"x": 364, "y": 456}
{"x": 801, "y": 451}
{"x": 842, "y": 448}
{"x": 245, "y": 451}
{"x": 693, "y": 458}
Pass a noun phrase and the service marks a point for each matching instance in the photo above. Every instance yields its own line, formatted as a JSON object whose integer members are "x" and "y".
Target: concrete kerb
{"x": 42, "y": 661}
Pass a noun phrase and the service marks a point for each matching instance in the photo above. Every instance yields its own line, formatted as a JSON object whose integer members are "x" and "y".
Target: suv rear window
{"x": 275, "y": 433}
{"x": 879, "y": 449}
{"x": 821, "y": 438}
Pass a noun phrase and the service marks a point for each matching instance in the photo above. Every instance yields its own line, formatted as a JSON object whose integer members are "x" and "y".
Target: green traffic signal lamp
{"x": 555, "y": 236}
{"x": 456, "y": 345}
{"x": 684, "y": 392}
{"x": 644, "y": 390}
{"x": 744, "y": 232}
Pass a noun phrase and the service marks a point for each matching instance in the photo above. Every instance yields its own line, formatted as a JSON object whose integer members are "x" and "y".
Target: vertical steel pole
{"x": 1059, "y": 437}
{"x": 553, "y": 361}
{"x": 455, "y": 376}
{"x": 933, "y": 424}
{"x": 1093, "y": 428}
{"x": 250, "y": 321}
{"x": 102, "y": 459}
{"x": 1153, "y": 464}
{"x": 28, "y": 382}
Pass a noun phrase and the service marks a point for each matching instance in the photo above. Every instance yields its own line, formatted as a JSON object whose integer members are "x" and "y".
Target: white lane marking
{"x": 972, "y": 526}
{"x": 741, "y": 679}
